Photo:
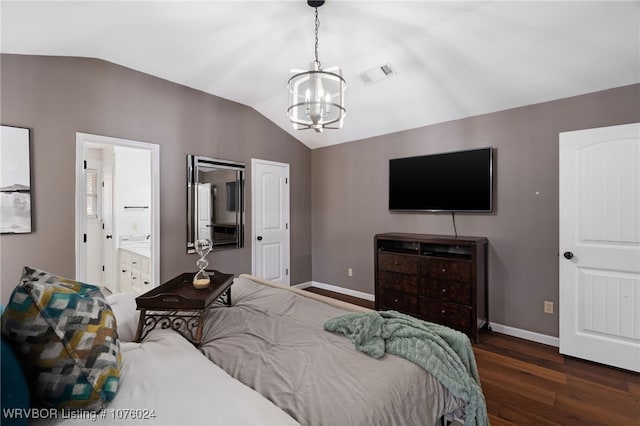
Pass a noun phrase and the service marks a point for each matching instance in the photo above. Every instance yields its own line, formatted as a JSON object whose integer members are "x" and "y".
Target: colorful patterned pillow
{"x": 64, "y": 333}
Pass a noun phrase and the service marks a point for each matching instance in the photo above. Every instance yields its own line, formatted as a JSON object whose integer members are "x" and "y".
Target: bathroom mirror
{"x": 215, "y": 202}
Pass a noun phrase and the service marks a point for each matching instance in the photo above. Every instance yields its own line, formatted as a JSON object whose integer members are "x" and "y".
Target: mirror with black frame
{"x": 215, "y": 202}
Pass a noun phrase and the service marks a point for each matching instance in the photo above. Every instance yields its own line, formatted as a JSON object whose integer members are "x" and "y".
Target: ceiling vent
{"x": 378, "y": 73}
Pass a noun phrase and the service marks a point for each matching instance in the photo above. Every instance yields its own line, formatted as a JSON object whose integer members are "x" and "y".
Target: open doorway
{"x": 117, "y": 213}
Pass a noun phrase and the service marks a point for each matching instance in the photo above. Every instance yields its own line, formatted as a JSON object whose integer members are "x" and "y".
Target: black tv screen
{"x": 450, "y": 182}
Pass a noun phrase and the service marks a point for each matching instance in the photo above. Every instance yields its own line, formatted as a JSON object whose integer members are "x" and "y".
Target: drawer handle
{"x": 444, "y": 290}
{"x": 146, "y": 283}
{"x": 396, "y": 263}
{"x": 395, "y": 300}
{"x": 443, "y": 312}
{"x": 444, "y": 270}
{"x": 124, "y": 270}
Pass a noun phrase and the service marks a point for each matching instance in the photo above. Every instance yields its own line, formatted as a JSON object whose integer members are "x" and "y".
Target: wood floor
{"x": 528, "y": 383}
{"x": 343, "y": 297}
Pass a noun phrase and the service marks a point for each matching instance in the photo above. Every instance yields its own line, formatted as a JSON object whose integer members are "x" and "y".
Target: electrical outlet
{"x": 349, "y": 272}
{"x": 548, "y": 307}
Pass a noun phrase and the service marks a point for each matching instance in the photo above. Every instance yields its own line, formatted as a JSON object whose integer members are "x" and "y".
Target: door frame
{"x": 83, "y": 141}
{"x": 254, "y": 190}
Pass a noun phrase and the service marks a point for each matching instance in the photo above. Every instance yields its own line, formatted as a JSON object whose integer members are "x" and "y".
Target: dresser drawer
{"x": 452, "y": 270}
{"x": 451, "y": 314}
{"x": 452, "y": 291}
{"x": 398, "y": 282}
{"x": 398, "y": 263}
{"x": 397, "y": 301}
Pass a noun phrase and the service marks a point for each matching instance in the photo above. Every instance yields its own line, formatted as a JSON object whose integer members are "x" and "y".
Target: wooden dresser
{"x": 437, "y": 278}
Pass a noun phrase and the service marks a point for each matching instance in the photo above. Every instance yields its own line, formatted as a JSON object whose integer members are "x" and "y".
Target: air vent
{"x": 377, "y": 74}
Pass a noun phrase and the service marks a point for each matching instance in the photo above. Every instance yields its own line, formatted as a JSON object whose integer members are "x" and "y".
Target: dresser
{"x": 437, "y": 278}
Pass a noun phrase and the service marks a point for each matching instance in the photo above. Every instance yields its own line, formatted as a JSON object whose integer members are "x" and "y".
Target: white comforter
{"x": 166, "y": 381}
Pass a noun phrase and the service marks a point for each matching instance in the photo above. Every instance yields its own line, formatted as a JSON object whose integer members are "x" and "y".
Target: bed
{"x": 165, "y": 381}
{"x": 265, "y": 360}
{"x": 272, "y": 339}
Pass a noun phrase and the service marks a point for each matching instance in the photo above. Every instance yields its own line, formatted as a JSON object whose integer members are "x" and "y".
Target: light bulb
{"x": 327, "y": 104}
{"x": 315, "y": 99}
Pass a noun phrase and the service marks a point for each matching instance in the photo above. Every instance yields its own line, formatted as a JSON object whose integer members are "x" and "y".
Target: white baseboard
{"x": 498, "y": 328}
{"x": 304, "y": 285}
{"x": 525, "y": 334}
{"x": 336, "y": 289}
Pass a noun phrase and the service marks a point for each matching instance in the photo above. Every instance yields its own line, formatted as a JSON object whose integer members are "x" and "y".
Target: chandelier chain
{"x": 317, "y": 61}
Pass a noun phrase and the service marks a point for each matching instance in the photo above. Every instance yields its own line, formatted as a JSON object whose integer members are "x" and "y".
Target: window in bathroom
{"x": 93, "y": 208}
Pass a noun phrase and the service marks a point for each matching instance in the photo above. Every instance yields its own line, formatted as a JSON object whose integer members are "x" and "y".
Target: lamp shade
{"x": 316, "y": 98}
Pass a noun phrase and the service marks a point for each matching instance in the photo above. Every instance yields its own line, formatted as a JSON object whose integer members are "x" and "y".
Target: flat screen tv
{"x": 458, "y": 181}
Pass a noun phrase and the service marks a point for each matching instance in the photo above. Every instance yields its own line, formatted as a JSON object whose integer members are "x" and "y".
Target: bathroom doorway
{"x": 117, "y": 213}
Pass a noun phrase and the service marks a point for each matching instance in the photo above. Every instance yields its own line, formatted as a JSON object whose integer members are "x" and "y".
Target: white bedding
{"x": 167, "y": 381}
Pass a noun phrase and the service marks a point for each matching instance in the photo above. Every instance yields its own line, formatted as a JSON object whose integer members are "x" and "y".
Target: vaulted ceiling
{"x": 450, "y": 59}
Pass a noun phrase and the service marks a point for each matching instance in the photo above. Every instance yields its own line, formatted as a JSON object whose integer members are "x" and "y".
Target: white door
{"x": 600, "y": 245}
{"x": 270, "y": 203}
{"x": 93, "y": 176}
{"x": 108, "y": 247}
{"x": 204, "y": 211}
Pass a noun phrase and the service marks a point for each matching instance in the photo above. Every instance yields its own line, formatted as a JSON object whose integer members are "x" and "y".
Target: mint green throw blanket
{"x": 443, "y": 352}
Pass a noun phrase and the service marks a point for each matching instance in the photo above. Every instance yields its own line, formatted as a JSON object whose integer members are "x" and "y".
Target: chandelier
{"x": 316, "y": 96}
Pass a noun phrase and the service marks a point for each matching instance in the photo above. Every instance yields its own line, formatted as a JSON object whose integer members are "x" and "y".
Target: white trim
{"x": 304, "y": 285}
{"x": 81, "y": 219}
{"x": 498, "y": 328}
{"x": 525, "y": 334}
{"x": 82, "y": 141}
{"x": 341, "y": 290}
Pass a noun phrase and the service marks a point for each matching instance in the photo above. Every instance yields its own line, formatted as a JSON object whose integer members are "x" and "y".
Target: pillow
{"x": 64, "y": 333}
{"x": 124, "y": 309}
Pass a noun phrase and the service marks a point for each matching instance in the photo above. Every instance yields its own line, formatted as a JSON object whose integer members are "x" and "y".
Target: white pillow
{"x": 123, "y": 306}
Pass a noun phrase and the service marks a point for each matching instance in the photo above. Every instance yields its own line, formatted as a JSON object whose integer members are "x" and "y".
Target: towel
{"x": 442, "y": 351}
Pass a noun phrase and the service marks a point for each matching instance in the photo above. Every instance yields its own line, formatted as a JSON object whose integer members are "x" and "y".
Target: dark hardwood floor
{"x": 343, "y": 297}
{"x": 528, "y": 383}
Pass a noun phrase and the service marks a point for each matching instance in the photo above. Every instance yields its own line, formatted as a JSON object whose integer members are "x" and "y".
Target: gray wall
{"x": 347, "y": 188}
{"x": 56, "y": 97}
{"x": 349, "y": 199}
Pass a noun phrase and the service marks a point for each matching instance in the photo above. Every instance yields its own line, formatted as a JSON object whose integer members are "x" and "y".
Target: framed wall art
{"x": 15, "y": 181}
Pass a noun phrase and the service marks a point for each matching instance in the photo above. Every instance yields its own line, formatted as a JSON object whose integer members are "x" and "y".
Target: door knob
{"x": 568, "y": 255}
{"x": 259, "y": 237}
